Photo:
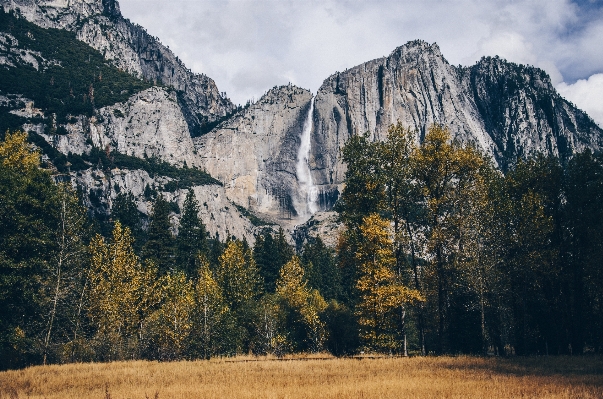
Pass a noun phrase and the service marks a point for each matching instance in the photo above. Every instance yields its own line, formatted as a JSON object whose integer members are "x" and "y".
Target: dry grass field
{"x": 430, "y": 377}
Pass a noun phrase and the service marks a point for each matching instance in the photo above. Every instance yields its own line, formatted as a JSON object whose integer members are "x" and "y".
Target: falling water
{"x": 307, "y": 190}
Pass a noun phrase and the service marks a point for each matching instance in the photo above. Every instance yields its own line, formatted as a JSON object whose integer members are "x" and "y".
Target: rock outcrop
{"x": 508, "y": 111}
{"x": 150, "y": 124}
{"x": 219, "y": 215}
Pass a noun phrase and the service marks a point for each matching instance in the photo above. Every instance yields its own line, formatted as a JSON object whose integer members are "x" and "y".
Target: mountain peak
{"x": 416, "y": 47}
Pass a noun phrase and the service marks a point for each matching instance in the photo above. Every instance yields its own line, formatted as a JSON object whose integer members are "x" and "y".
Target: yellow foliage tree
{"x": 171, "y": 324}
{"x": 16, "y": 153}
{"x": 292, "y": 287}
{"x": 450, "y": 180}
{"x": 380, "y": 291}
{"x": 237, "y": 275}
{"x": 209, "y": 308}
{"x": 122, "y": 293}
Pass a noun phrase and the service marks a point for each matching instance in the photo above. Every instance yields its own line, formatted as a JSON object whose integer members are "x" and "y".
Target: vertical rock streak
{"x": 308, "y": 193}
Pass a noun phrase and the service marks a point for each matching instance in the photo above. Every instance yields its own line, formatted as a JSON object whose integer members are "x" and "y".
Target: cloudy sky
{"x": 249, "y": 46}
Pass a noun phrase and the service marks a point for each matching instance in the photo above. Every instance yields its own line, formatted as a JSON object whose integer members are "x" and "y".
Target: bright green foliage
{"x": 160, "y": 246}
{"x": 192, "y": 236}
{"x": 380, "y": 291}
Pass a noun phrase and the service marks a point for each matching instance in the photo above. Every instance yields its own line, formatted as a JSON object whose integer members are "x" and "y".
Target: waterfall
{"x": 308, "y": 193}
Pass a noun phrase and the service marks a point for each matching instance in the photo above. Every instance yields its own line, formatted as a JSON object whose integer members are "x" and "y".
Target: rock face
{"x": 100, "y": 24}
{"x": 507, "y": 110}
{"x": 218, "y": 214}
{"x": 255, "y": 153}
{"x": 150, "y": 124}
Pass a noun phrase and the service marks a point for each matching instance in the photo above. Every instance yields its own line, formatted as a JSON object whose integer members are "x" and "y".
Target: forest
{"x": 441, "y": 254}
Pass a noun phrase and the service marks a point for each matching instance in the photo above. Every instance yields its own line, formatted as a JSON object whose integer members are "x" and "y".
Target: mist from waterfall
{"x": 307, "y": 189}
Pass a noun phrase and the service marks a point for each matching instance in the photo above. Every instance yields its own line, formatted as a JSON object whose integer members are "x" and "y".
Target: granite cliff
{"x": 255, "y": 153}
{"x": 509, "y": 111}
{"x": 280, "y": 156}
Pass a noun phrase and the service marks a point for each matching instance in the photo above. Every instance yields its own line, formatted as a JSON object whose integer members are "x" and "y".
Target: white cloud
{"x": 586, "y": 94}
{"x": 249, "y": 46}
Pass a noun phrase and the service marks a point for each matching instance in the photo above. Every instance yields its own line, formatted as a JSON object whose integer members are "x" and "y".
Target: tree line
{"x": 441, "y": 253}
{"x": 497, "y": 263}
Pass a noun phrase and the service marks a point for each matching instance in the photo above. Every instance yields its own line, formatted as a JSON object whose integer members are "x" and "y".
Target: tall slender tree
{"x": 381, "y": 292}
{"x": 192, "y": 236}
{"x": 160, "y": 246}
{"x": 122, "y": 294}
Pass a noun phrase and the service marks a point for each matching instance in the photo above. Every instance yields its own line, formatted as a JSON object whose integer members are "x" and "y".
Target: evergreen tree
{"x": 270, "y": 254}
{"x": 126, "y": 212}
{"x": 41, "y": 242}
{"x": 192, "y": 236}
{"x": 160, "y": 245}
{"x": 321, "y": 268}
{"x": 583, "y": 276}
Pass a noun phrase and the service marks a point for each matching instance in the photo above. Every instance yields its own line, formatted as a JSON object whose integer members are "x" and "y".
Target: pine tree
{"x": 30, "y": 248}
{"x": 125, "y": 210}
{"x": 321, "y": 268}
{"x": 270, "y": 254}
{"x": 192, "y": 236}
{"x": 160, "y": 245}
{"x": 582, "y": 274}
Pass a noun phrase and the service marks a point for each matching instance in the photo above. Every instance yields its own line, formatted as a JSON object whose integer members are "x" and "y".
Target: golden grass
{"x": 430, "y": 377}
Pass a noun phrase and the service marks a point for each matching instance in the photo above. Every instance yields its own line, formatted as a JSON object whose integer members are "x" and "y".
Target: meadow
{"x": 306, "y": 377}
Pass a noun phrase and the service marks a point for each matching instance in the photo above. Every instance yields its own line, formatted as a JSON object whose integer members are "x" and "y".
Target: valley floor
{"x": 428, "y": 377}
